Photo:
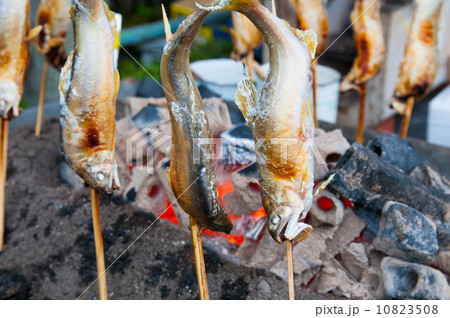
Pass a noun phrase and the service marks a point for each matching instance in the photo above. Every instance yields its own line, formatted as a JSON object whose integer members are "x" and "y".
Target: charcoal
{"x": 405, "y": 280}
{"x": 332, "y": 146}
{"x": 218, "y": 115}
{"x": 148, "y": 87}
{"x": 238, "y": 146}
{"x": 363, "y": 177}
{"x": 443, "y": 231}
{"x": 333, "y": 215}
{"x": 333, "y": 278}
{"x": 442, "y": 261}
{"x": 372, "y": 220}
{"x": 69, "y": 177}
{"x": 246, "y": 188}
{"x": 396, "y": 151}
{"x": 406, "y": 234}
{"x": 371, "y": 281}
{"x": 150, "y": 116}
{"x": 432, "y": 178}
{"x": 354, "y": 259}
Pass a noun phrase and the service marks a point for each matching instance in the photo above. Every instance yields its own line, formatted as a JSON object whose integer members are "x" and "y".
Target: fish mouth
{"x": 288, "y": 227}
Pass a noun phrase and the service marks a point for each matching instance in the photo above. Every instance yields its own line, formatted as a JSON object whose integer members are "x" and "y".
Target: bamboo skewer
{"x": 98, "y": 245}
{"x": 362, "y": 109}
{"x": 314, "y": 74}
{"x": 3, "y": 165}
{"x": 250, "y": 63}
{"x": 407, "y": 117}
{"x": 41, "y": 99}
{"x": 199, "y": 261}
{"x": 290, "y": 265}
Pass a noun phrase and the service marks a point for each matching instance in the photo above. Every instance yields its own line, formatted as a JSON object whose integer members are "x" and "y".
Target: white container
{"x": 328, "y": 82}
{"x": 438, "y": 126}
{"x": 220, "y": 76}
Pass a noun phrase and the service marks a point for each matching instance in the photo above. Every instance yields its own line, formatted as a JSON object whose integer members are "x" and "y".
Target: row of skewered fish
{"x": 280, "y": 117}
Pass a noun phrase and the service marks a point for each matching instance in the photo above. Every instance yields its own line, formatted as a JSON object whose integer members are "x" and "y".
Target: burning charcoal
{"x": 432, "y": 178}
{"x": 233, "y": 205}
{"x": 150, "y": 116}
{"x": 246, "y": 188}
{"x": 371, "y": 281}
{"x": 404, "y": 280}
{"x": 407, "y": 234}
{"x": 354, "y": 259}
{"x": 268, "y": 252}
{"x": 442, "y": 261}
{"x": 363, "y": 177}
{"x": 332, "y": 146}
{"x": 69, "y": 177}
{"x": 123, "y": 126}
{"x": 148, "y": 87}
{"x": 183, "y": 217}
{"x": 151, "y": 195}
{"x": 334, "y": 279}
{"x": 396, "y": 151}
{"x": 328, "y": 209}
{"x": 350, "y": 228}
{"x": 238, "y": 146}
{"x": 218, "y": 115}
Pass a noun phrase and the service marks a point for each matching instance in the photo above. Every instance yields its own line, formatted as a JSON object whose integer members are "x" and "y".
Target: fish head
{"x": 285, "y": 222}
{"x": 104, "y": 177}
{"x": 9, "y": 100}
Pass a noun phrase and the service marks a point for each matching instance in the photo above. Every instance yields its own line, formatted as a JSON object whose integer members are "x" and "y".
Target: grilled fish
{"x": 312, "y": 15}
{"x": 369, "y": 44}
{"x": 52, "y": 24}
{"x": 192, "y": 173}
{"x": 14, "y": 54}
{"x": 88, "y": 87}
{"x": 244, "y": 35}
{"x": 281, "y": 120}
{"x": 421, "y": 60}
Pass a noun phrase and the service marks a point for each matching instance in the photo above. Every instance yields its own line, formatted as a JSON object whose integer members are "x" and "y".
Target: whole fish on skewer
{"x": 244, "y": 35}
{"x": 281, "y": 120}
{"x": 192, "y": 173}
{"x": 421, "y": 60}
{"x": 14, "y": 54}
{"x": 369, "y": 41}
{"x": 312, "y": 15}
{"x": 88, "y": 88}
{"x": 52, "y": 25}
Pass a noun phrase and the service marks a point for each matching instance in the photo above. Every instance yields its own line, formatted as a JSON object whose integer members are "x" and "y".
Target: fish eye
{"x": 101, "y": 176}
{"x": 275, "y": 219}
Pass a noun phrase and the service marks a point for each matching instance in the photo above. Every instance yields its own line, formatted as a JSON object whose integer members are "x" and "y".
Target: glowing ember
{"x": 325, "y": 203}
{"x": 169, "y": 214}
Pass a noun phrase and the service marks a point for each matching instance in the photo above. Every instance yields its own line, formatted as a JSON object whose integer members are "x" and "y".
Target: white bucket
{"x": 328, "y": 82}
{"x": 219, "y": 75}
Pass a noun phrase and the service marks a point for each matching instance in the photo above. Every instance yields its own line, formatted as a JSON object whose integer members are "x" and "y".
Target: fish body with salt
{"x": 14, "y": 54}
{"x": 370, "y": 45}
{"x": 192, "y": 172}
{"x": 53, "y": 21}
{"x": 281, "y": 119}
{"x": 421, "y": 59}
{"x": 88, "y": 87}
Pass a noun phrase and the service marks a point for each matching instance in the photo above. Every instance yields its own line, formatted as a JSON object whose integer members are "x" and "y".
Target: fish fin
{"x": 117, "y": 83}
{"x": 72, "y": 12}
{"x": 115, "y": 179}
{"x": 308, "y": 37}
{"x": 53, "y": 42}
{"x": 167, "y": 28}
{"x": 168, "y": 178}
{"x": 112, "y": 22}
{"x": 34, "y": 32}
{"x": 322, "y": 186}
{"x": 221, "y": 223}
{"x": 274, "y": 8}
{"x": 399, "y": 104}
{"x": 246, "y": 97}
{"x": 66, "y": 74}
